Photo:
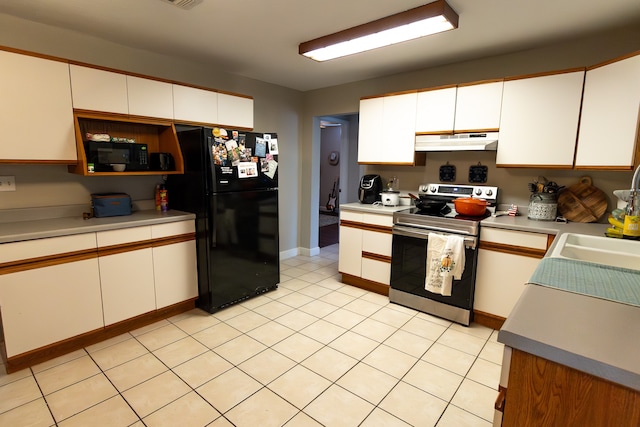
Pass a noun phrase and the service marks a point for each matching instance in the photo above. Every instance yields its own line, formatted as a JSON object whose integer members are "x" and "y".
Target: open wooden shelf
{"x": 159, "y": 135}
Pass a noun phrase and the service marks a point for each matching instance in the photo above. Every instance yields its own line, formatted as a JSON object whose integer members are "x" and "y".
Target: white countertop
{"x": 379, "y": 209}
{"x": 53, "y": 227}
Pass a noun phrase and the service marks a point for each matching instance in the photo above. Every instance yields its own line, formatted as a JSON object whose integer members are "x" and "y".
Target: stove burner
{"x": 441, "y": 213}
{"x": 486, "y": 214}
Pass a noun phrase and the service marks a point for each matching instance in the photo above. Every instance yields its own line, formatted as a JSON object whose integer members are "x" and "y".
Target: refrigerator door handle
{"x": 212, "y": 223}
{"x": 213, "y": 233}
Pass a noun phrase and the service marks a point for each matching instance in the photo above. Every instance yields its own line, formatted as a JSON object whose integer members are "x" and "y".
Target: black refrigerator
{"x": 230, "y": 182}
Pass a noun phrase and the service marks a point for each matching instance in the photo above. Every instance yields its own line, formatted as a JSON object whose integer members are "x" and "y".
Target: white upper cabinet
{"x": 478, "y": 107}
{"x": 369, "y": 141}
{"x": 98, "y": 90}
{"x": 36, "y": 114}
{"x": 435, "y": 111}
{"x": 609, "y": 123}
{"x": 235, "y": 111}
{"x": 150, "y": 98}
{"x": 195, "y": 105}
{"x": 387, "y": 129}
{"x": 539, "y": 120}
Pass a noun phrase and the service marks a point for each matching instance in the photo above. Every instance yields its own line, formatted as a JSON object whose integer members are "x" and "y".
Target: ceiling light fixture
{"x": 408, "y": 25}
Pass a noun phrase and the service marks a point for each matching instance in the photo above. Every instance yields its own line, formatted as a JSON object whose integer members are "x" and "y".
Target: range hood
{"x": 484, "y": 141}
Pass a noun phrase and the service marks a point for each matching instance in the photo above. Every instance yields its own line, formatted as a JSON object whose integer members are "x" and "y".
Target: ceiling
{"x": 259, "y": 39}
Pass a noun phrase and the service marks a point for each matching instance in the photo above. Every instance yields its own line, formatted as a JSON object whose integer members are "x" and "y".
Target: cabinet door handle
{"x": 500, "y": 400}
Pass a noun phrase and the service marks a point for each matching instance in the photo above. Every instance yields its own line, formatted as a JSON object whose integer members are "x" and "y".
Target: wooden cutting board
{"x": 582, "y": 202}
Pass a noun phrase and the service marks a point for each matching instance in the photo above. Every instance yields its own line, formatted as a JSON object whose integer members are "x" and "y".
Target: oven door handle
{"x": 469, "y": 242}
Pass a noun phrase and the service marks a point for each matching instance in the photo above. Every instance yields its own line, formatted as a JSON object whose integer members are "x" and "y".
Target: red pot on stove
{"x": 469, "y": 206}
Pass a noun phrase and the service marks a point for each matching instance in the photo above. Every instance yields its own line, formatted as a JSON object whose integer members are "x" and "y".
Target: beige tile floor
{"x": 314, "y": 352}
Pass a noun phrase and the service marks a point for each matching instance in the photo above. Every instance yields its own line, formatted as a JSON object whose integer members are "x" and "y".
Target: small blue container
{"x": 110, "y": 204}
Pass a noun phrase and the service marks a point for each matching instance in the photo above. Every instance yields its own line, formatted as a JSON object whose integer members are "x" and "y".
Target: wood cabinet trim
{"x": 477, "y": 130}
{"x": 369, "y": 285}
{"x": 376, "y": 257}
{"x": 170, "y": 240}
{"x": 480, "y": 82}
{"x": 613, "y": 60}
{"x": 33, "y": 54}
{"x": 622, "y": 168}
{"x": 74, "y": 256}
{"x": 42, "y": 354}
{"x": 512, "y": 249}
{"x": 545, "y": 73}
{"x": 403, "y": 92}
{"x": 164, "y": 140}
{"x": 508, "y": 165}
{"x": 148, "y": 77}
{"x": 47, "y": 261}
{"x": 389, "y": 163}
{"x": 437, "y": 132}
{"x": 114, "y": 70}
{"x": 39, "y": 162}
{"x": 489, "y": 320}
{"x": 428, "y": 89}
{"x": 367, "y": 227}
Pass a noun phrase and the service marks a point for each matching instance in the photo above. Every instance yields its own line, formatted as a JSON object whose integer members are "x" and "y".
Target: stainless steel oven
{"x": 411, "y": 231}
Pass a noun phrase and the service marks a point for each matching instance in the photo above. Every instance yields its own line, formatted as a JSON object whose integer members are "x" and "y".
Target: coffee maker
{"x": 370, "y": 188}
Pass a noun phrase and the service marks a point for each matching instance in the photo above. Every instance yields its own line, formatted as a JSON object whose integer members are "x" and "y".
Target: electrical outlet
{"x": 7, "y": 183}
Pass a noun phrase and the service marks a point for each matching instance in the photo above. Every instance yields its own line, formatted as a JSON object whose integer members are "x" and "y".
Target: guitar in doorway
{"x": 331, "y": 204}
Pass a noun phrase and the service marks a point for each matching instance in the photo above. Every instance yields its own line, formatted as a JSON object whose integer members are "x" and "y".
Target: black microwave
{"x": 105, "y": 154}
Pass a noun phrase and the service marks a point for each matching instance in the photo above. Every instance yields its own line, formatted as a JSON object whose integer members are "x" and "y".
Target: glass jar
{"x": 543, "y": 206}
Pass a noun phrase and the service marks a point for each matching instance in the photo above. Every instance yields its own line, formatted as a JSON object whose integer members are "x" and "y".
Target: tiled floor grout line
{"x": 296, "y": 289}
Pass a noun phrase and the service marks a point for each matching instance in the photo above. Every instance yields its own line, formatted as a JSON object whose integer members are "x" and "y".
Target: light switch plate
{"x": 7, "y": 183}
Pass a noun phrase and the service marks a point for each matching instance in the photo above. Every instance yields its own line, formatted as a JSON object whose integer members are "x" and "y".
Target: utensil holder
{"x": 543, "y": 207}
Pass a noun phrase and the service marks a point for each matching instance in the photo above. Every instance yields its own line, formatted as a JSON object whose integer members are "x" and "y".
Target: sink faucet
{"x": 635, "y": 181}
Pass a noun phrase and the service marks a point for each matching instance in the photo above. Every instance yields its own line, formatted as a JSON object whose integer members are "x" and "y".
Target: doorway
{"x": 330, "y": 148}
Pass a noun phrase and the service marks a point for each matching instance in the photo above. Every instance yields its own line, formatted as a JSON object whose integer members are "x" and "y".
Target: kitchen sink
{"x": 597, "y": 249}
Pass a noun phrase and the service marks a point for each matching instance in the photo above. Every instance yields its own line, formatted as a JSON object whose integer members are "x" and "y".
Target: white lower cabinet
{"x": 174, "y": 270}
{"x": 506, "y": 261}
{"x": 49, "y": 304}
{"x": 376, "y": 256}
{"x": 127, "y": 285}
{"x": 365, "y": 246}
{"x": 174, "y": 264}
{"x": 54, "y": 289}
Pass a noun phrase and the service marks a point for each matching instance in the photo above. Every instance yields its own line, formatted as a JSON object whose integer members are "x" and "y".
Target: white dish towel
{"x": 445, "y": 262}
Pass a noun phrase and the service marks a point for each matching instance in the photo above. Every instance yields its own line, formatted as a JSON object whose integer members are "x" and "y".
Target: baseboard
{"x": 489, "y": 320}
{"x": 290, "y": 253}
{"x": 60, "y": 348}
{"x": 309, "y": 252}
{"x": 369, "y": 285}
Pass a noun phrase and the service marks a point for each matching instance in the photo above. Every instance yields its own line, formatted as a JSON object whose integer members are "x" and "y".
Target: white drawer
{"x": 376, "y": 271}
{"x": 172, "y": 229}
{"x": 45, "y": 247}
{"x": 514, "y": 238}
{"x": 376, "y": 243}
{"x": 351, "y": 216}
{"x": 121, "y": 236}
{"x": 385, "y": 220}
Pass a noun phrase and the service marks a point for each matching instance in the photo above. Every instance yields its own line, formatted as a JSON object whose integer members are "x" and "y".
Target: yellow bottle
{"x": 631, "y": 228}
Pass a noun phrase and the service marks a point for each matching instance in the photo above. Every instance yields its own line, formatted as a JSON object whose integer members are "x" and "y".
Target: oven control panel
{"x": 448, "y": 190}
